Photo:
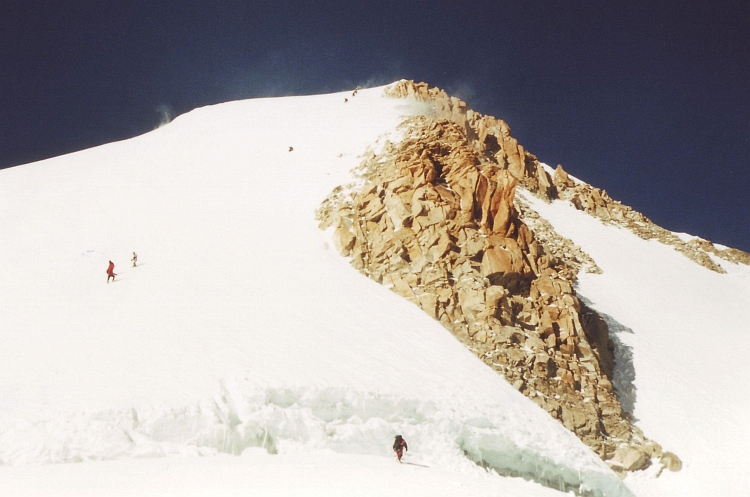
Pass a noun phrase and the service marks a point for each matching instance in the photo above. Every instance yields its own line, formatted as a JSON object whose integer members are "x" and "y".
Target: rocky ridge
{"x": 437, "y": 220}
{"x": 598, "y": 203}
{"x": 492, "y": 137}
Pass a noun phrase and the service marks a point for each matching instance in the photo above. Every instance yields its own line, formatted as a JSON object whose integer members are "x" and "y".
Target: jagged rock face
{"x": 598, "y": 203}
{"x": 437, "y": 221}
{"x": 491, "y": 138}
{"x": 576, "y": 260}
{"x": 438, "y": 224}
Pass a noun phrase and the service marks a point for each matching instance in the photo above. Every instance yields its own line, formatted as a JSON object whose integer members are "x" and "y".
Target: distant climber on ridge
{"x": 111, "y": 271}
{"x": 291, "y": 148}
{"x": 399, "y": 446}
{"x": 134, "y": 260}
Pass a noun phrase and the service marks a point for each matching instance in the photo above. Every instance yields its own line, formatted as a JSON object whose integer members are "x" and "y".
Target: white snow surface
{"x": 682, "y": 339}
{"x": 241, "y": 331}
{"x": 244, "y": 356}
{"x": 255, "y": 473}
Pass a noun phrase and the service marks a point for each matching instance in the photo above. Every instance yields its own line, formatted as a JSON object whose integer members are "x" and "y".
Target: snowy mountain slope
{"x": 257, "y": 474}
{"x": 241, "y": 326}
{"x": 683, "y": 337}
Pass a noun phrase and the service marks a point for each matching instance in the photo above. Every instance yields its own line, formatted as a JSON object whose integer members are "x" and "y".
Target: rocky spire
{"x": 438, "y": 222}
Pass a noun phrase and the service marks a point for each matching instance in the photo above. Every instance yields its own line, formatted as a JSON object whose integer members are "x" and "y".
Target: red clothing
{"x": 111, "y": 268}
{"x": 399, "y": 446}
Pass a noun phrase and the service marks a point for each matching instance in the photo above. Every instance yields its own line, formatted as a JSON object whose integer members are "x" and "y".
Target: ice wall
{"x": 285, "y": 419}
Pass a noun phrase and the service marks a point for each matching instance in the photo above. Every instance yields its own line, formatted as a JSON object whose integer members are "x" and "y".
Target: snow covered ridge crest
{"x": 492, "y": 139}
{"x": 599, "y": 204}
{"x": 436, "y": 221}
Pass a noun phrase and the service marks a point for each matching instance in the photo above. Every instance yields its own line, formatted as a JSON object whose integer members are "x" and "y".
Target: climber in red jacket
{"x": 111, "y": 271}
{"x": 399, "y": 446}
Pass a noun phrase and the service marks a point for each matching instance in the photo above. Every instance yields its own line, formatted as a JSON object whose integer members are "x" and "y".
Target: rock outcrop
{"x": 438, "y": 222}
{"x": 598, "y": 203}
{"x": 491, "y": 138}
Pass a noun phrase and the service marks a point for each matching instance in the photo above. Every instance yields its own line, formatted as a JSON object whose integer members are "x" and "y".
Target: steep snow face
{"x": 241, "y": 326}
{"x": 682, "y": 338}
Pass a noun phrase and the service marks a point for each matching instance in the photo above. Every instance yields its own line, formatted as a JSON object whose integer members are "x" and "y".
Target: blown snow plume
{"x": 165, "y": 113}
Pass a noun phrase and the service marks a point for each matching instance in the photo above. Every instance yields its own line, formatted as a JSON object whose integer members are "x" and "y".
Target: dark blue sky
{"x": 649, "y": 100}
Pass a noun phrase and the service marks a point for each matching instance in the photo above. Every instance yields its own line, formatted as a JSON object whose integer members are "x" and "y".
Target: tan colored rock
{"x": 402, "y": 288}
{"x": 544, "y": 285}
{"x": 396, "y": 210}
{"x": 501, "y": 210}
{"x": 496, "y": 260}
{"x": 541, "y": 364}
{"x": 561, "y": 179}
{"x": 516, "y": 255}
{"x": 652, "y": 449}
{"x": 535, "y": 343}
{"x": 515, "y": 356}
{"x": 429, "y": 303}
{"x": 671, "y": 461}
{"x": 438, "y": 221}
{"x": 472, "y": 246}
{"x": 573, "y": 418}
{"x": 566, "y": 376}
{"x": 545, "y": 182}
{"x": 515, "y": 157}
{"x": 344, "y": 240}
{"x": 472, "y": 302}
{"x": 493, "y": 295}
{"x": 584, "y": 352}
{"x": 630, "y": 458}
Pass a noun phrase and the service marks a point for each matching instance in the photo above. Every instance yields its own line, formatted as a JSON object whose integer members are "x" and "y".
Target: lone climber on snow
{"x": 111, "y": 271}
{"x": 399, "y": 446}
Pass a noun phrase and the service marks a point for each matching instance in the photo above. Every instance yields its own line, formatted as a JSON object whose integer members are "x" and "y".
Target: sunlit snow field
{"x": 244, "y": 356}
{"x": 683, "y": 338}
